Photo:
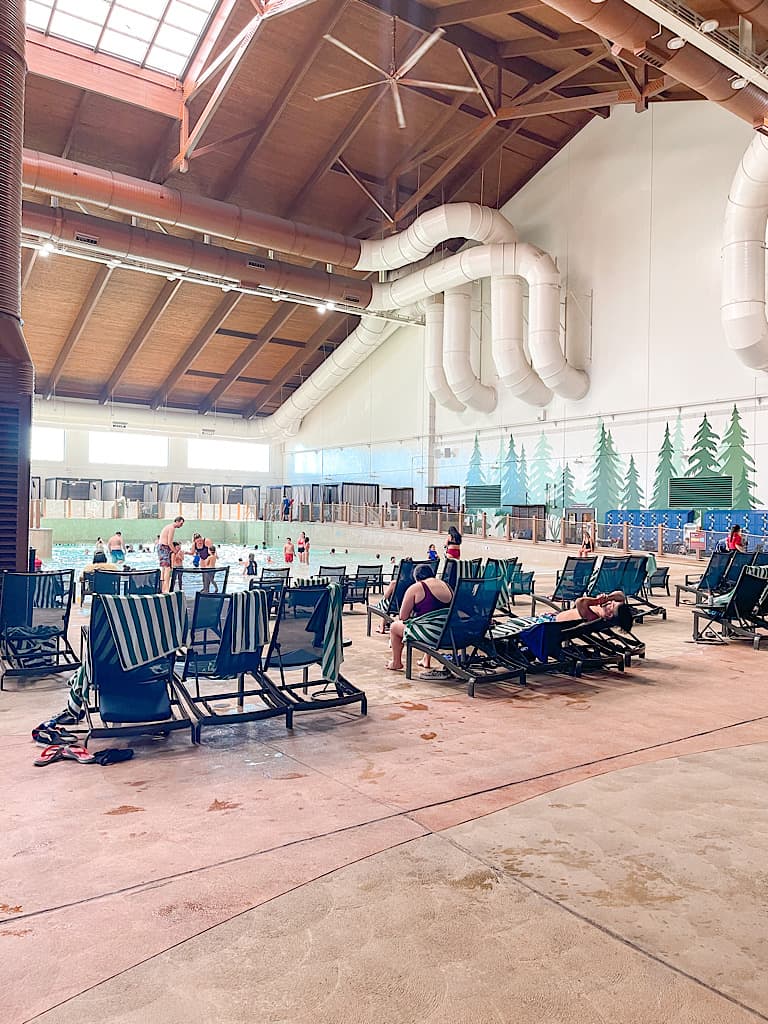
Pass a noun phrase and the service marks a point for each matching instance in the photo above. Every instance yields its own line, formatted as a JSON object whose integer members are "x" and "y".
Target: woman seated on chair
{"x": 426, "y": 595}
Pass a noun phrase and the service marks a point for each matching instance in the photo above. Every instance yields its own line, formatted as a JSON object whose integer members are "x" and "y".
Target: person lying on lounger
{"x": 611, "y": 606}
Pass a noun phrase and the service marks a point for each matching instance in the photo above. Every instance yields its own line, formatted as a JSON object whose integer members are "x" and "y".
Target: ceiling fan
{"x": 395, "y": 77}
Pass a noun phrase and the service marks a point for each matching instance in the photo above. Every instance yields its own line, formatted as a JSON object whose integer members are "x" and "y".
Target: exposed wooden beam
{"x": 567, "y": 41}
{"x": 411, "y": 155}
{"x": 351, "y": 173}
{"x": 416, "y": 14}
{"x": 246, "y": 357}
{"x": 473, "y": 10}
{"x": 100, "y": 282}
{"x": 302, "y": 65}
{"x": 556, "y": 80}
{"x": 214, "y": 321}
{"x": 634, "y": 87}
{"x": 564, "y": 104}
{"x": 294, "y": 364}
{"x": 76, "y": 118}
{"x": 463, "y": 176}
{"x": 435, "y": 150}
{"x": 132, "y": 349}
{"x": 79, "y": 66}
{"x": 205, "y": 47}
{"x": 28, "y": 260}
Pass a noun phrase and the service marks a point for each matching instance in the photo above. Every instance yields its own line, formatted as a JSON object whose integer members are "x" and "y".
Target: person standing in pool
{"x": 116, "y": 547}
{"x": 288, "y": 551}
{"x": 99, "y": 554}
{"x": 164, "y": 549}
{"x": 300, "y": 546}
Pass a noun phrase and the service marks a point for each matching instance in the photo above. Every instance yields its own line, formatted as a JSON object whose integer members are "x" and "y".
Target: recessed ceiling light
{"x": 739, "y": 83}
{"x": 675, "y": 43}
{"x": 48, "y": 248}
{"x": 710, "y": 25}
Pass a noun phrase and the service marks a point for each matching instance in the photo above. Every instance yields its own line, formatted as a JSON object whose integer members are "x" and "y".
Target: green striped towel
{"x": 428, "y": 628}
{"x": 333, "y": 635}
{"x": 147, "y": 627}
{"x": 250, "y": 621}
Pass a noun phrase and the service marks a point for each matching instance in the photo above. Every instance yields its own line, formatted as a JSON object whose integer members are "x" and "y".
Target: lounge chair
{"x": 113, "y": 584}
{"x": 388, "y": 608}
{"x": 570, "y": 648}
{"x": 229, "y": 635}
{"x": 572, "y": 582}
{"x": 459, "y": 637}
{"x": 740, "y": 615}
{"x": 192, "y": 582}
{"x": 308, "y": 635}
{"x": 130, "y": 655}
{"x": 34, "y": 623}
{"x": 273, "y": 589}
{"x": 703, "y": 585}
{"x": 658, "y": 580}
{"x": 455, "y": 569}
{"x": 274, "y": 575}
{"x": 610, "y": 575}
{"x": 634, "y": 586}
{"x": 374, "y": 574}
{"x": 356, "y": 591}
{"x": 333, "y": 573}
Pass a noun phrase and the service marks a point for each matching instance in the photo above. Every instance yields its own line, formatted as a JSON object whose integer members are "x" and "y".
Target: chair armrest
{"x": 693, "y": 577}
{"x": 538, "y": 599}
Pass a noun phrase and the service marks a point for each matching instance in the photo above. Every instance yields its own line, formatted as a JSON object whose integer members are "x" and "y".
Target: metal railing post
{"x": 563, "y": 524}
{"x": 660, "y": 539}
{"x": 625, "y": 536}
{"x": 484, "y": 526}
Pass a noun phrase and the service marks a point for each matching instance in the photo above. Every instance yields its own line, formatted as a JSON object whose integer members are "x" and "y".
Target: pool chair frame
{"x": 703, "y": 585}
{"x": 635, "y": 589}
{"x": 291, "y": 656}
{"x": 567, "y": 648}
{"x": 739, "y": 619}
{"x": 572, "y": 582}
{"x": 464, "y": 646}
{"x": 158, "y": 674}
{"x": 403, "y": 580}
{"x": 455, "y": 569}
{"x": 658, "y": 580}
{"x": 374, "y": 574}
{"x": 209, "y": 657}
{"x": 126, "y": 582}
{"x": 27, "y": 649}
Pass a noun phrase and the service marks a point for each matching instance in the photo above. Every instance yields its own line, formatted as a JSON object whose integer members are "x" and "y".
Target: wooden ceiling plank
{"x": 414, "y": 13}
{"x": 76, "y": 118}
{"x": 566, "y": 41}
{"x": 246, "y": 357}
{"x": 134, "y": 346}
{"x": 473, "y": 10}
{"x": 213, "y": 323}
{"x": 460, "y": 180}
{"x": 100, "y": 282}
{"x": 61, "y": 61}
{"x": 303, "y": 64}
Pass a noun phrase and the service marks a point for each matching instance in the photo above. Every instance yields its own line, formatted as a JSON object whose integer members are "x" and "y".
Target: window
{"x": 48, "y": 444}
{"x": 111, "y": 449}
{"x": 240, "y": 456}
{"x": 153, "y": 34}
{"x": 306, "y": 463}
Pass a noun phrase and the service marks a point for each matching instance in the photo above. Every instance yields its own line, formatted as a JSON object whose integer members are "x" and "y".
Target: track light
{"x": 739, "y": 83}
{"x": 710, "y": 25}
{"x": 675, "y": 43}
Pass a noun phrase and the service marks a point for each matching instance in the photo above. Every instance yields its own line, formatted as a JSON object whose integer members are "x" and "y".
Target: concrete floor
{"x": 579, "y": 851}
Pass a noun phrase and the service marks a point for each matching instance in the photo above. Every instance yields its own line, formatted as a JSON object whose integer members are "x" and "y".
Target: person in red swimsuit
{"x": 453, "y": 545}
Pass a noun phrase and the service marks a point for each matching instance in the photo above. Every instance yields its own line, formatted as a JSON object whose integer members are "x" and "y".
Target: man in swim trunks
{"x": 164, "y": 549}
{"x": 288, "y": 550}
{"x": 116, "y": 547}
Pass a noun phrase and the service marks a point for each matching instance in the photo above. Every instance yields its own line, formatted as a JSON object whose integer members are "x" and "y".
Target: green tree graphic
{"x": 605, "y": 485}
{"x": 632, "y": 496}
{"x": 522, "y": 478}
{"x": 510, "y": 476}
{"x": 703, "y": 458}
{"x": 665, "y": 470}
{"x": 475, "y": 473}
{"x": 540, "y": 472}
{"x": 736, "y": 462}
{"x": 678, "y": 443}
{"x": 565, "y": 494}
{"x": 498, "y": 468}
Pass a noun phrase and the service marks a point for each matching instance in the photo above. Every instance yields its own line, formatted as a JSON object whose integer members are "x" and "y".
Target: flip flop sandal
{"x": 47, "y": 736}
{"x": 77, "y": 753}
{"x": 55, "y": 752}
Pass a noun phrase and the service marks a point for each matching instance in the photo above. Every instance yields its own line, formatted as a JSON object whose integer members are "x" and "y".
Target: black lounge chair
{"x": 703, "y": 585}
{"x": 273, "y": 589}
{"x": 192, "y": 582}
{"x": 658, "y": 580}
{"x": 132, "y": 687}
{"x": 114, "y": 584}
{"x": 333, "y": 573}
{"x": 569, "y": 648}
{"x": 463, "y": 644}
{"x": 572, "y": 582}
{"x": 740, "y": 617}
{"x": 229, "y": 636}
{"x": 374, "y": 575}
{"x": 34, "y": 623}
{"x": 275, "y": 575}
{"x": 610, "y": 575}
{"x": 635, "y": 589}
{"x": 309, "y": 635}
{"x": 387, "y": 609}
{"x": 356, "y": 591}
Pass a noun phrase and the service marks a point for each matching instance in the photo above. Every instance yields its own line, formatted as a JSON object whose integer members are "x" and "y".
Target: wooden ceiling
{"x": 107, "y": 333}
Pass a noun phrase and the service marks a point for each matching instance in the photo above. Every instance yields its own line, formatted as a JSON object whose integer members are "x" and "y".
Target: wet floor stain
{"x": 428, "y": 735}
{"x": 371, "y": 774}
{"x": 411, "y": 705}
{"x": 139, "y": 782}
{"x": 125, "y": 809}
{"x": 223, "y": 805}
{"x": 15, "y": 932}
{"x": 482, "y": 879}
{"x": 6, "y": 908}
{"x": 394, "y": 716}
{"x": 288, "y": 775}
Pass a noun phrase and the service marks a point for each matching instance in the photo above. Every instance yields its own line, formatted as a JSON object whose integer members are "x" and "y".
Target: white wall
{"x": 632, "y": 211}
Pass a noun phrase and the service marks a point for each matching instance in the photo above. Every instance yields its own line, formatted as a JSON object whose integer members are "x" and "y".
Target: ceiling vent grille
{"x": 86, "y": 239}
{"x": 701, "y": 492}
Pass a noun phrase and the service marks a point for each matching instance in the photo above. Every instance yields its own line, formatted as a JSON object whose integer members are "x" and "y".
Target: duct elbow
{"x": 434, "y": 373}
{"x": 746, "y": 332}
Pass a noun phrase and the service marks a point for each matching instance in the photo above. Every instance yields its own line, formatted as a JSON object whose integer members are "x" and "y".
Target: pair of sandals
{"x": 71, "y": 752}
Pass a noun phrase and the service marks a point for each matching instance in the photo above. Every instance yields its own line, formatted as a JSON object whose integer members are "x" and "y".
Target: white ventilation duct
{"x": 370, "y": 333}
{"x": 459, "y": 220}
{"x": 504, "y": 260}
{"x": 743, "y": 304}
{"x": 515, "y": 372}
{"x": 433, "y": 356}
{"x": 457, "y": 338}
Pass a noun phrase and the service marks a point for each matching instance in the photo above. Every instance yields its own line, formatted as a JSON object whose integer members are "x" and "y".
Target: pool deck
{"x": 579, "y": 850}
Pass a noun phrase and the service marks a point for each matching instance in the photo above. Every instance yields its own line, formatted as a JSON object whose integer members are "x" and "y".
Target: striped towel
{"x": 333, "y": 636}
{"x": 48, "y": 590}
{"x": 513, "y": 626}
{"x": 250, "y": 621}
{"x": 146, "y": 628}
{"x": 428, "y": 628}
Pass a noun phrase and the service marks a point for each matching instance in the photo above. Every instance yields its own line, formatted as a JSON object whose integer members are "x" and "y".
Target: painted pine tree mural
{"x": 632, "y": 495}
{"x": 475, "y": 472}
{"x": 510, "y": 476}
{"x": 736, "y": 462}
{"x": 665, "y": 470}
{"x": 678, "y": 443}
{"x": 498, "y": 469}
{"x": 565, "y": 494}
{"x": 522, "y": 478}
{"x": 540, "y": 472}
{"x": 703, "y": 458}
{"x": 605, "y": 485}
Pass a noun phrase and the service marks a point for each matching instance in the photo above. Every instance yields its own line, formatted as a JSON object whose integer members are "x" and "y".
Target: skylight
{"x": 157, "y": 34}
